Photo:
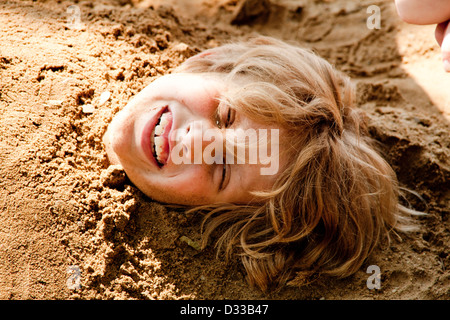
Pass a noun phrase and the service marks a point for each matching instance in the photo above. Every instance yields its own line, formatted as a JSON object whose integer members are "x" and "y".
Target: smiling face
{"x": 173, "y": 113}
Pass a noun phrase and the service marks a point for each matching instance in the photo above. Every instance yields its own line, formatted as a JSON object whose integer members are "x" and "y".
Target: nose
{"x": 199, "y": 143}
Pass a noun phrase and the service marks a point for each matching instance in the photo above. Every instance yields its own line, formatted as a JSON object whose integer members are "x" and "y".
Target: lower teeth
{"x": 159, "y": 142}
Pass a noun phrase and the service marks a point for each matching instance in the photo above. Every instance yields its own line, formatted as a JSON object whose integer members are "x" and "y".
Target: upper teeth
{"x": 159, "y": 130}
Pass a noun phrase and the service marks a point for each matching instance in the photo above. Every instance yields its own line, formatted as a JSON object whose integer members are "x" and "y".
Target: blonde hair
{"x": 335, "y": 200}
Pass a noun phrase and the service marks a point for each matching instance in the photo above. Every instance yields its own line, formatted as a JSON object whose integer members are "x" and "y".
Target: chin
{"x": 111, "y": 154}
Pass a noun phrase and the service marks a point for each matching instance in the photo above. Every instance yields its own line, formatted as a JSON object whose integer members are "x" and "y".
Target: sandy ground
{"x": 72, "y": 227}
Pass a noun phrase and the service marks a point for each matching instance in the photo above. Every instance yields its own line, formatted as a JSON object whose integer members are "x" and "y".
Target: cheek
{"x": 191, "y": 181}
{"x": 180, "y": 199}
{"x": 179, "y": 194}
{"x": 190, "y": 187}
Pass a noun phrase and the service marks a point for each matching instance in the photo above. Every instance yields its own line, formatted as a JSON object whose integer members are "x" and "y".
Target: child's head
{"x": 328, "y": 197}
{"x": 164, "y": 136}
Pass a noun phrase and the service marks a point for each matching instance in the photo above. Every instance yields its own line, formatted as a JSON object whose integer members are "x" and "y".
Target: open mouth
{"x": 159, "y": 137}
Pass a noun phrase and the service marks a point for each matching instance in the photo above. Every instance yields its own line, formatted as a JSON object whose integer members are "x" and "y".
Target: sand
{"x": 74, "y": 227}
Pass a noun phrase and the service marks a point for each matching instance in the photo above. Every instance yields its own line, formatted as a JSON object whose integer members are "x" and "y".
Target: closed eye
{"x": 225, "y": 176}
{"x": 224, "y": 119}
{"x": 231, "y": 114}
